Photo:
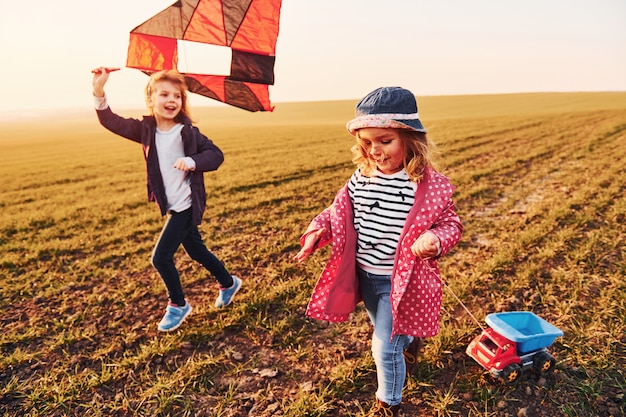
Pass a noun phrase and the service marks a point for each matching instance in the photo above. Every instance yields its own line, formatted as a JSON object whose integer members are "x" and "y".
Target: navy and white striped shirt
{"x": 381, "y": 205}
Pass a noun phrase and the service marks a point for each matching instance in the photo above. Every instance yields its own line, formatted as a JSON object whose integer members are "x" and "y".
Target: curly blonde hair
{"x": 419, "y": 153}
{"x": 175, "y": 78}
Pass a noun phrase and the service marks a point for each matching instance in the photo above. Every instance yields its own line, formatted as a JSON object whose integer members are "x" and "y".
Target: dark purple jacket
{"x": 207, "y": 156}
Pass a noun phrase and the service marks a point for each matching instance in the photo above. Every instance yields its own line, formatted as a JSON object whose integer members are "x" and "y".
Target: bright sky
{"x": 331, "y": 49}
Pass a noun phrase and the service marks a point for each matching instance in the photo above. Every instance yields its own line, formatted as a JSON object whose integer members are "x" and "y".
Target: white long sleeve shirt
{"x": 177, "y": 183}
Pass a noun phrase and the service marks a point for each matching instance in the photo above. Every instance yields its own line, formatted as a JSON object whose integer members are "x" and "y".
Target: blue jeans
{"x": 388, "y": 352}
{"x": 179, "y": 229}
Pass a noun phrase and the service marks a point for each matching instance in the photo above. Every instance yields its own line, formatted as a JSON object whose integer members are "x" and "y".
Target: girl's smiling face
{"x": 165, "y": 101}
{"x": 384, "y": 147}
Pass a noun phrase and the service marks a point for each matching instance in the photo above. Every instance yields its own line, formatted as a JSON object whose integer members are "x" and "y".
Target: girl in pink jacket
{"x": 388, "y": 226}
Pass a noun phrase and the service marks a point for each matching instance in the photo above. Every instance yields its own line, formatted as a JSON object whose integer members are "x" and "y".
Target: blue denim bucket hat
{"x": 387, "y": 107}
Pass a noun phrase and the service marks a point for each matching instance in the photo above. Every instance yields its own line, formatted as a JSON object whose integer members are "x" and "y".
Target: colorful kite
{"x": 248, "y": 27}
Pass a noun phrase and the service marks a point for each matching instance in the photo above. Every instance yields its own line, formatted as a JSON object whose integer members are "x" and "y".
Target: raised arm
{"x": 100, "y": 78}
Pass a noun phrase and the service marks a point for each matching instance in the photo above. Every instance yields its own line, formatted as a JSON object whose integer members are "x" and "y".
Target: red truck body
{"x": 515, "y": 342}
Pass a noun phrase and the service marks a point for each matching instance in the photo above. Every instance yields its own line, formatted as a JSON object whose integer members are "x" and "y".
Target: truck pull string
{"x": 467, "y": 310}
{"x": 462, "y": 305}
{"x": 457, "y": 298}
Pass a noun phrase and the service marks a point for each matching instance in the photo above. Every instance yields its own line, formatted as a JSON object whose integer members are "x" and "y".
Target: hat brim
{"x": 374, "y": 120}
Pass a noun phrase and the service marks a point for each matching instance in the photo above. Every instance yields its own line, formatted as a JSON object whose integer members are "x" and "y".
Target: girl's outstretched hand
{"x": 426, "y": 246}
{"x": 309, "y": 245}
{"x": 100, "y": 77}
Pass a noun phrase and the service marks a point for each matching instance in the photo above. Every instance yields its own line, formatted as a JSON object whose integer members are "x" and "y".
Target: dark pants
{"x": 179, "y": 229}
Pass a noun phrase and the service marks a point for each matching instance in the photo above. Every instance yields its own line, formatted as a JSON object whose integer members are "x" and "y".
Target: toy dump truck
{"x": 515, "y": 342}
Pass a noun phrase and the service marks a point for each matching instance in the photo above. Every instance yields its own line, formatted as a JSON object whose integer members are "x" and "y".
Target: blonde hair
{"x": 175, "y": 78}
{"x": 419, "y": 153}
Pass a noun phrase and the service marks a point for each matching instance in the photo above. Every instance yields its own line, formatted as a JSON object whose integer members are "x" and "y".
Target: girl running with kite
{"x": 176, "y": 155}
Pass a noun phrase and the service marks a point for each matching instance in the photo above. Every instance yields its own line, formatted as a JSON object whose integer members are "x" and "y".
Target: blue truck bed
{"x": 528, "y": 330}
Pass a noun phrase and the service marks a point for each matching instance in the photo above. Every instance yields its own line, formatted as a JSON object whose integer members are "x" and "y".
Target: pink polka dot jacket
{"x": 416, "y": 284}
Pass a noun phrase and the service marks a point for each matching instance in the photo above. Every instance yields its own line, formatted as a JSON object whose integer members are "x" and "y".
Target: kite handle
{"x": 108, "y": 70}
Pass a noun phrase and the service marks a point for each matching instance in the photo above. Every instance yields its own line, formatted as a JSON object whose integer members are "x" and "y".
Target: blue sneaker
{"x": 174, "y": 317}
{"x": 227, "y": 294}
